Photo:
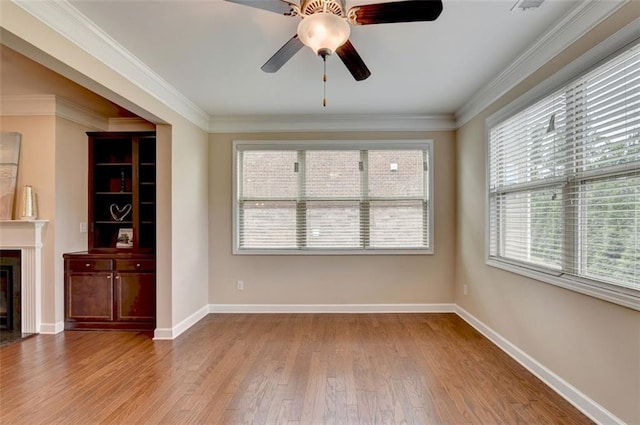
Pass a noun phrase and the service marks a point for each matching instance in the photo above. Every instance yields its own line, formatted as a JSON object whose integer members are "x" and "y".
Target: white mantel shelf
{"x": 22, "y": 233}
{"x": 28, "y": 237}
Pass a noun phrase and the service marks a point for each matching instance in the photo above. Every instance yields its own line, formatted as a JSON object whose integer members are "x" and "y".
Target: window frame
{"x": 387, "y": 144}
{"x": 625, "y": 39}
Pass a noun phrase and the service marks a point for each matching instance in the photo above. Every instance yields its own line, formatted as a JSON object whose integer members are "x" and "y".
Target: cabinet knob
{"x": 137, "y": 264}
{"x": 117, "y": 277}
{"x": 88, "y": 265}
{"x": 109, "y": 277}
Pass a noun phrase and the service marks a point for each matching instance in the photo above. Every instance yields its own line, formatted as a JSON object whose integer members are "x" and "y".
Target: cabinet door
{"x": 90, "y": 296}
{"x": 136, "y": 296}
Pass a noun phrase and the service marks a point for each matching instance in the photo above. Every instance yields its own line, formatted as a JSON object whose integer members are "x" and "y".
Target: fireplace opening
{"x": 10, "y": 297}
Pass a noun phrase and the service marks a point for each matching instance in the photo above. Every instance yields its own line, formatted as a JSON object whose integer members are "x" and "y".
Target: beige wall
{"x": 180, "y": 193}
{"x": 164, "y": 249}
{"x": 36, "y": 167}
{"x": 594, "y": 345}
{"x": 71, "y": 150}
{"x": 379, "y": 279}
{"x": 190, "y": 222}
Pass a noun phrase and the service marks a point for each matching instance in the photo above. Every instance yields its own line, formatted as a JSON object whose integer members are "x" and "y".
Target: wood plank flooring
{"x": 289, "y": 369}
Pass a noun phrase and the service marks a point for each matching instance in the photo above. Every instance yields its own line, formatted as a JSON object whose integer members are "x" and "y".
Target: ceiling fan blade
{"x": 278, "y": 6}
{"x": 353, "y": 61}
{"x": 285, "y": 53}
{"x": 399, "y": 11}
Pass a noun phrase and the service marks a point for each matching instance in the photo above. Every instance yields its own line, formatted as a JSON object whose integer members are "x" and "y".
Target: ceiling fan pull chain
{"x": 324, "y": 81}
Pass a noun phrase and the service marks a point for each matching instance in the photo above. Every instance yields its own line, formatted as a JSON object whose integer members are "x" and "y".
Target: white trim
{"x": 130, "y": 124}
{"x": 62, "y": 17}
{"x": 603, "y": 51}
{"x": 568, "y": 30}
{"x": 65, "y": 19}
{"x": 174, "y": 332}
{"x": 332, "y": 308}
{"x": 589, "y": 59}
{"x": 80, "y": 115}
{"x": 27, "y": 105}
{"x": 324, "y": 123}
{"x": 334, "y": 144}
{"x": 570, "y": 393}
{"x": 28, "y": 237}
{"x": 331, "y": 251}
{"x": 161, "y": 334}
{"x": 52, "y": 328}
{"x": 619, "y": 296}
{"x": 365, "y": 144}
{"x": 51, "y": 105}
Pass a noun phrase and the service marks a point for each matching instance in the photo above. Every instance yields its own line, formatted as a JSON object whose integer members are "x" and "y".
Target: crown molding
{"x": 130, "y": 124}
{"x": 624, "y": 37}
{"x": 28, "y": 105}
{"x": 583, "y": 18}
{"x": 325, "y": 123}
{"x": 80, "y": 115}
{"x": 51, "y": 105}
{"x": 65, "y": 19}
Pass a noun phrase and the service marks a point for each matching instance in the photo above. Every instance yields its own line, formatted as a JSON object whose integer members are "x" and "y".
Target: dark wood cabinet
{"x": 90, "y": 296}
{"x": 133, "y": 290}
{"x": 112, "y": 285}
{"x": 110, "y": 291}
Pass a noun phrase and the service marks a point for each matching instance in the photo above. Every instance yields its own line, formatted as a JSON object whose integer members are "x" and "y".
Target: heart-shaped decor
{"x": 118, "y": 213}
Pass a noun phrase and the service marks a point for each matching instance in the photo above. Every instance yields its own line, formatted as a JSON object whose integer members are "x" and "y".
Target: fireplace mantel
{"x": 28, "y": 237}
{"x": 16, "y": 234}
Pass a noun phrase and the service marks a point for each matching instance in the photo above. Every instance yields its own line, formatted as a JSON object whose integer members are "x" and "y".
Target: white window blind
{"x": 333, "y": 197}
{"x": 564, "y": 180}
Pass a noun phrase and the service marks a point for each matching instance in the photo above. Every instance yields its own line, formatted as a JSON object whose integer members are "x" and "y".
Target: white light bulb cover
{"x": 324, "y": 31}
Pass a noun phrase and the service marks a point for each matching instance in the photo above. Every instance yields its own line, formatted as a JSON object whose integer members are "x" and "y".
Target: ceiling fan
{"x": 326, "y": 26}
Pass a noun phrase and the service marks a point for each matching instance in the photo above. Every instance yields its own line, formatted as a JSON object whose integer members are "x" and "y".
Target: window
{"x": 564, "y": 184}
{"x": 332, "y": 197}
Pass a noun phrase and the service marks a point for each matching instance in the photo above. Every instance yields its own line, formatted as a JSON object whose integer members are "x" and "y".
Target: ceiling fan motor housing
{"x": 309, "y": 7}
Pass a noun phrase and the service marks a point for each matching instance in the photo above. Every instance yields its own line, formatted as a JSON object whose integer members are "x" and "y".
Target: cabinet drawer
{"x": 89, "y": 265}
{"x": 135, "y": 265}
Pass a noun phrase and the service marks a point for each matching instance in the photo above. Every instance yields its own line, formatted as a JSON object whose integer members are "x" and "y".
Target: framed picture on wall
{"x": 125, "y": 238}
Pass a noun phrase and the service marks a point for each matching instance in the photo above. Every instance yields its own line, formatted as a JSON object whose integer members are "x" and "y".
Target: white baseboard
{"x": 331, "y": 308}
{"x": 172, "y": 333}
{"x": 586, "y": 405}
{"x": 162, "y": 334}
{"x": 51, "y": 328}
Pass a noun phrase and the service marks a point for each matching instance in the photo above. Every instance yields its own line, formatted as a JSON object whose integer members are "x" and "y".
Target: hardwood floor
{"x": 289, "y": 369}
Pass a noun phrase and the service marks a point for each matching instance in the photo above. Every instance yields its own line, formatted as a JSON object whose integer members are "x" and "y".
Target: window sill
{"x": 337, "y": 252}
{"x": 621, "y": 296}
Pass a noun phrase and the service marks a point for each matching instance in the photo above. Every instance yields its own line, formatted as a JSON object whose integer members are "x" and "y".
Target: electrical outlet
{"x": 465, "y": 289}
{"x": 240, "y": 285}
{"x": 83, "y": 227}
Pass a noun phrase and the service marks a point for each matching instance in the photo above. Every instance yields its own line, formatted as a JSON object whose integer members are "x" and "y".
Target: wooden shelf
{"x": 114, "y": 193}
{"x": 111, "y": 287}
{"x": 113, "y": 164}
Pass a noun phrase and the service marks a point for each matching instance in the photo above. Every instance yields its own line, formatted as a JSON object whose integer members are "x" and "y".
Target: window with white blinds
{"x": 333, "y": 197}
{"x": 564, "y": 181}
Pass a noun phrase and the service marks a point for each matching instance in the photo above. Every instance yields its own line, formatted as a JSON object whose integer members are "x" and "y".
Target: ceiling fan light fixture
{"x": 324, "y": 32}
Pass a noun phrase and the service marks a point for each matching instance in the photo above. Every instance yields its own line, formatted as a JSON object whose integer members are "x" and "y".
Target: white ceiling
{"x": 211, "y": 51}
